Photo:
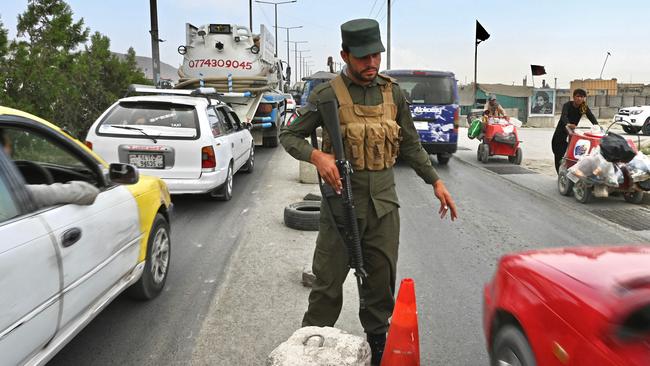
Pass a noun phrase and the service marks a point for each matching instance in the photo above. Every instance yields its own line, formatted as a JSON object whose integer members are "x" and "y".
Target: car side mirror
{"x": 123, "y": 173}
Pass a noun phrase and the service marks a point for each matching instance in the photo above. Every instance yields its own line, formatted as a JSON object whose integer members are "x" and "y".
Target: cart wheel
{"x": 564, "y": 184}
{"x": 582, "y": 192}
{"x": 633, "y": 197}
{"x": 519, "y": 155}
{"x": 484, "y": 153}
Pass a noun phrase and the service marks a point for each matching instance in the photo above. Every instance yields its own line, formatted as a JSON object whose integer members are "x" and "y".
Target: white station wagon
{"x": 194, "y": 143}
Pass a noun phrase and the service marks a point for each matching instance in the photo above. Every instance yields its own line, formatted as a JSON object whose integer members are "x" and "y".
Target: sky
{"x": 571, "y": 39}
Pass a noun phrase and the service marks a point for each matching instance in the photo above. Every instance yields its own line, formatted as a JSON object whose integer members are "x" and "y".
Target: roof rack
{"x": 198, "y": 92}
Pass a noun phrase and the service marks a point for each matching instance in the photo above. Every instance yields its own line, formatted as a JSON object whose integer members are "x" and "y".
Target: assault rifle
{"x": 349, "y": 229}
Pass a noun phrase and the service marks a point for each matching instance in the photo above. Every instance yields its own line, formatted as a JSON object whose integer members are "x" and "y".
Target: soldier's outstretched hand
{"x": 326, "y": 166}
{"x": 446, "y": 202}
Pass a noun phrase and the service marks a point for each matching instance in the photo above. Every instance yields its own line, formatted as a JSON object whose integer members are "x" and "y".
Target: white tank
{"x": 215, "y": 53}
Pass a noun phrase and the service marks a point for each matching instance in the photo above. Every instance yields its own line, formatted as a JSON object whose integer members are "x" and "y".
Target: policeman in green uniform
{"x": 376, "y": 126}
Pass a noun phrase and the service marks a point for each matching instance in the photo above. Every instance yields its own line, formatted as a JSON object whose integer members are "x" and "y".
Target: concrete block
{"x": 615, "y": 101}
{"x": 595, "y": 111}
{"x": 540, "y": 122}
{"x": 559, "y": 102}
{"x": 308, "y": 173}
{"x": 512, "y": 112}
{"x": 628, "y": 101}
{"x": 308, "y": 276}
{"x": 607, "y": 112}
{"x": 601, "y": 101}
{"x": 639, "y": 100}
{"x": 591, "y": 100}
{"x": 321, "y": 346}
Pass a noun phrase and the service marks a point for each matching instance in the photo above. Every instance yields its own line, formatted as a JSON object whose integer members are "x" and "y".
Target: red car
{"x": 574, "y": 306}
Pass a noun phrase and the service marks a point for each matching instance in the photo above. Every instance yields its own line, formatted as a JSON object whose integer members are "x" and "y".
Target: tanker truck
{"x": 241, "y": 65}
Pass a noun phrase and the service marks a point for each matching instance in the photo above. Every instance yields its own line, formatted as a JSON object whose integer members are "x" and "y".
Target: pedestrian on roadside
{"x": 367, "y": 101}
{"x": 572, "y": 112}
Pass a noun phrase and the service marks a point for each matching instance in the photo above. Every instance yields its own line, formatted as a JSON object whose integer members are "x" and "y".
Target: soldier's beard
{"x": 359, "y": 75}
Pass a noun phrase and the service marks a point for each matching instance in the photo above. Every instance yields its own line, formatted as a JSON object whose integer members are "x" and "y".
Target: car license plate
{"x": 421, "y": 125}
{"x": 617, "y": 119}
{"x": 151, "y": 161}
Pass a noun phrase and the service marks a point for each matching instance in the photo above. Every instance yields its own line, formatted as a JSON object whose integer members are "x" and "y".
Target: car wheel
{"x": 443, "y": 159}
{"x": 633, "y": 197}
{"x": 646, "y": 127}
{"x": 156, "y": 264}
{"x": 224, "y": 193}
{"x": 511, "y": 347}
{"x": 630, "y": 129}
{"x": 582, "y": 192}
{"x": 250, "y": 163}
{"x": 564, "y": 184}
{"x": 303, "y": 215}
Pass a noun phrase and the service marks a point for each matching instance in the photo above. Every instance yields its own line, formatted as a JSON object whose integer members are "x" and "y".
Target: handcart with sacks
{"x": 597, "y": 164}
{"x": 498, "y": 136}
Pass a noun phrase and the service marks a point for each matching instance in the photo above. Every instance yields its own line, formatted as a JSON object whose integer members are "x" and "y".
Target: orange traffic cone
{"x": 403, "y": 343}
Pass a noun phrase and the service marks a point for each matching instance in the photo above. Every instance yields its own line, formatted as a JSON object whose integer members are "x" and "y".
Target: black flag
{"x": 537, "y": 70}
{"x": 481, "y": 33}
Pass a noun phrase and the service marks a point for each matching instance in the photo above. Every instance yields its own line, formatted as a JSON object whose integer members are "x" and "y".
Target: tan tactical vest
{"x": 371, "y": 136}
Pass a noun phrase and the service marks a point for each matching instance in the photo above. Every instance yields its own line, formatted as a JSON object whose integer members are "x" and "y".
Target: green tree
{"x": 4, "y": 42}
{"x": 53, "y": 71}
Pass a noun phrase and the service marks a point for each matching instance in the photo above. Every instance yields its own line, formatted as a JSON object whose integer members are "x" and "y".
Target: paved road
{"x": 163, "y": 331}
{"x": 209, "y": 317}
{"x": 451, "y": 262}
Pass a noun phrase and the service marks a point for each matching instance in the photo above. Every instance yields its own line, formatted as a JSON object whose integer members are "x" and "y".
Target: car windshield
{"x": 159, "y": 120}
{"x": 423, "y": 89}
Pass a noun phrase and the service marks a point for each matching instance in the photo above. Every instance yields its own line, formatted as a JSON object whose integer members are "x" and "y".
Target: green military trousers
{"x": 380, "y": 242}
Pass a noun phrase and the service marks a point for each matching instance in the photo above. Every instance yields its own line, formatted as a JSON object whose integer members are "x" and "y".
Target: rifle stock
{"x": 349, "y": 231}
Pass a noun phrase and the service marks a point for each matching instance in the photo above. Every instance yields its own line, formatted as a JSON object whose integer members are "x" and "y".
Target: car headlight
{"x": 636, "y": 112}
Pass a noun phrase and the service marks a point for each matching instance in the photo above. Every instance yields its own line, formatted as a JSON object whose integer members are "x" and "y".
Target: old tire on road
{"x": 303, "y": 215}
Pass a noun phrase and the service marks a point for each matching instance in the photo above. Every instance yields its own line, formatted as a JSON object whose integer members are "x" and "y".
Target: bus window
{"x": 436, "y": 90}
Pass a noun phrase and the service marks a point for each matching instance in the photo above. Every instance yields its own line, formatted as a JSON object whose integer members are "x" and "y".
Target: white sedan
{"x": 64, "y": 259}
{"x": 193, "y": 143}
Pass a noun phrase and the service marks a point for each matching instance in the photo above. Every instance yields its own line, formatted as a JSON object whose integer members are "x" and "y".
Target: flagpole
{"x": 475, "y": 59}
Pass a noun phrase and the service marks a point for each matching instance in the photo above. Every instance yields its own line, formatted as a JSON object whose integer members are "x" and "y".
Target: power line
{"x": 384, "y": 16}
{"x": 379, "y": 11}
{"x": 261, "y": 8}
{"x": 373, "y": 7}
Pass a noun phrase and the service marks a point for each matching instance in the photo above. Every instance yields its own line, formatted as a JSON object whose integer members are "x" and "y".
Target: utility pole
{"x": 295, "y": 51}
{"x": 250, "y": 15}
{"x": 155, "y": 53}
{"x": 601, "y": 71}
{"x": 303, "y": 65}
{"x": 276, "y": 19}
{"x": 300, "y": 57}
{"x": 288, "y": 41}
{"x": 388, "y": 43}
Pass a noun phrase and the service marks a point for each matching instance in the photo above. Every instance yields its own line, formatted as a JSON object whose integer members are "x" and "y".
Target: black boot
{"x": 377, "y": 343}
